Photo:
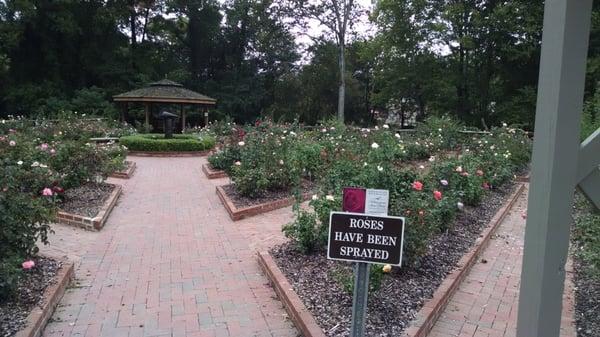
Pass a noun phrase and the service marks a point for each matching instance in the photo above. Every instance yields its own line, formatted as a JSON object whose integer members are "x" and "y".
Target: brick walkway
{"x": 486, "y": 303}
{"x": 170, "y": 262}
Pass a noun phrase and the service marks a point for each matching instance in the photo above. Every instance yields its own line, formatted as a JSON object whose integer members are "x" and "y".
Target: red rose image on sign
{"x": 354, "y": 200}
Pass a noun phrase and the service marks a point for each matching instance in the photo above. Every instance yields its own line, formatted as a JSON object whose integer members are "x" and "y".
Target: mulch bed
{"x": 241, "y": 201}
{"x": 587, "y": 294}
{"x": 86, "y": 200}
{"x": 395, "y": 304}
{"x": 13, "y": 313}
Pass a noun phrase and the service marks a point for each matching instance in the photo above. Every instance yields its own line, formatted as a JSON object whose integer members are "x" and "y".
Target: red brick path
{"x": 486, "y": 303}
{"x": 170, "y": 262}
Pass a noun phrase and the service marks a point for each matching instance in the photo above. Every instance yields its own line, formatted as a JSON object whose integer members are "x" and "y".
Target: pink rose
{"x": 44, "y": 146}
{"x": 485, "y": 185}
{"x": 479, "y": 173}
{"x": 12, "y": 143}
{"x": 47, "y": 192}
{"x": 28, "y": 264}
{"x": 417, "y": 186}
{"x": 437, "y": 195}
{"x": 52, "y": 151}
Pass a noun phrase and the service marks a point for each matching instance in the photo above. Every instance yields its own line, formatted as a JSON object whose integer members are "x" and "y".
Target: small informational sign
{"x": 206, "y": 114}
{"x": 367, "y": 238}
{"x": 377, "y": 202}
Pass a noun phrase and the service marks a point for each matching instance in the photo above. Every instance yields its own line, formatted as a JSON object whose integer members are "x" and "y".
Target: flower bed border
{"x": 169, "y": 153}
{"x": 97, "y": 222}
{"x": 240, "y": 213}
{"x": 432, "y": 308}
{"x": 213, "y": 174}
{"x": 127, "y": 173}
{"x": 299, "y": 314}
{"x": 40, "y": 315}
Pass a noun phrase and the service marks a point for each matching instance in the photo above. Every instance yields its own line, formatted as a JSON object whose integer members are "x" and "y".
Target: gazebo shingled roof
{"x": 164, "y": 91}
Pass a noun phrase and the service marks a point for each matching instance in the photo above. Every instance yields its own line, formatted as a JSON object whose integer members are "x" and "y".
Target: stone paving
{"x": 170, "y": 262}
{"x": 486, "y": 302}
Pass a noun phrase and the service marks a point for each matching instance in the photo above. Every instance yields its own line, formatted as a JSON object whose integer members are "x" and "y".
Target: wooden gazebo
{"x": 164, "y": 92}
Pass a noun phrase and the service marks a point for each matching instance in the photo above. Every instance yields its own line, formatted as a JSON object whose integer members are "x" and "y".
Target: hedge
{"x": 157, "y": 143}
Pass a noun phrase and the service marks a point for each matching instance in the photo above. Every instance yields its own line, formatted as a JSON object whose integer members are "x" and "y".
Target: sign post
{"x": 363, "y": 238}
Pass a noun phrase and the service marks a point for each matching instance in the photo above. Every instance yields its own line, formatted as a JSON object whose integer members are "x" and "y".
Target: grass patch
{"x": 153, "y": 142}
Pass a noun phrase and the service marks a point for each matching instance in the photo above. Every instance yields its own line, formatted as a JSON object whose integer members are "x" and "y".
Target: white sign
{"x": 377, "y": 202}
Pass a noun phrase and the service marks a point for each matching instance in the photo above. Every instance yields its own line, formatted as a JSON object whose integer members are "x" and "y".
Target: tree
{"x": 338, "y": 17}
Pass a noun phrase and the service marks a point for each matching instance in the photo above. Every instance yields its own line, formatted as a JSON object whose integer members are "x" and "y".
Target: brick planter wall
{"x": 213, "y": 174}
{"x": 299, "y": 314}
{"x": 40, "y": 315}
{"x": 127, "y": 173}
{"x": 240, "y": 213}
{"x": 95, "y": 223}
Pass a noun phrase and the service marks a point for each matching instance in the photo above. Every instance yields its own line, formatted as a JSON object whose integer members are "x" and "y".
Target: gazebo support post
{"x": 182, "y": 118}
{"x": 206, "y": 117}
{"x": 554, "y": 166}
{"x": 147, "y": 120}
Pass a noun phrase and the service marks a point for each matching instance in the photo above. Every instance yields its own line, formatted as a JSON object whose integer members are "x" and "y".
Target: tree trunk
{"x": 342, "y": 89}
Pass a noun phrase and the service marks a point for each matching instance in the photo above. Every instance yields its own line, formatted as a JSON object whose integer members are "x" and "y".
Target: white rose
{"x": 385, "y": 126}
{"x": 330, "y": 197}
{"x": 314, "y": 197}
{"x": 375, "y": 146}
{"x": 20, "y": 162}
{"x": 241, "y": 143}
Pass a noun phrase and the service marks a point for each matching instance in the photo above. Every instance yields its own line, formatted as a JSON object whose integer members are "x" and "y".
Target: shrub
{"x": 265, "y": 165}
{"x": 304, "y": 231}
{"x": 27, "y": 205}
{"x": 223, "y": 160}
{"x": 157, "y": 143}
{"x": 78, "y": 162}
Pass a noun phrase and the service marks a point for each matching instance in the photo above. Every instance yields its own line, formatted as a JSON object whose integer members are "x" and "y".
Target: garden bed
{"x": 169, "y": 153}
{"x": 212, "y": 173}
{"x": 127, "y": 172}
{"x": 240, "y": 207}
{"x": 40, "y": 291}
{"x": 401, "y": 296}
{"x": 89, "y": 205}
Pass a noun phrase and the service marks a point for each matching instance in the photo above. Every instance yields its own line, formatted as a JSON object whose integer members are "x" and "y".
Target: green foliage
{"x": 306, "y": 232}
{"x": 79, "y": 161}
{"x": 345, "y": 278}
{"x": 591, "y": 116}
{"x": 10, "y": 273}
{"x": 157, "y": 143}
{"x": 25, "y": 213}
{"x": 224, "y": 160}
{"x": 586, "y": 233}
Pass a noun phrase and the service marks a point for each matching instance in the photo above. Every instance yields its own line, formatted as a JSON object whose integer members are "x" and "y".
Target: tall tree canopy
{"x": 476, "y": 59}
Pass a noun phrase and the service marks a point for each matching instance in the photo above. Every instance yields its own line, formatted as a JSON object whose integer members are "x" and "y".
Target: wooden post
{"x": 147, "y": 121}
{"x": 182, "y": 119}
{"x": 554, "y": 166}
{"x": 206, "y": 117}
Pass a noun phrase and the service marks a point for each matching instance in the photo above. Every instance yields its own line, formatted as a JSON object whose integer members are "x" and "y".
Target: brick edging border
{"x": 97, "y": 222}
{"x": 299, "y": 314}
{"x": 240, "y": 213}
{"x": 213, "y": 174}
{"x": 433, "y": 307}
{"x": 127, "y": 173}
{"x": 40, "y": 315}
{"x": 169, "y": 154}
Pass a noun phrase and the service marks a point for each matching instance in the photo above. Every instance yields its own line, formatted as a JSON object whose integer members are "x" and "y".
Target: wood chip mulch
{"x": 241, "y": 201}
{"x": 86, "y": 200}
{"x": 403, "y": 292}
